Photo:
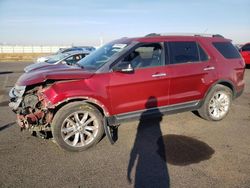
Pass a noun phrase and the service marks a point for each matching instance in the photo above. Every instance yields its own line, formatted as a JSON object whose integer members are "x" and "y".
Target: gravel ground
{"x": 181, "y": 150}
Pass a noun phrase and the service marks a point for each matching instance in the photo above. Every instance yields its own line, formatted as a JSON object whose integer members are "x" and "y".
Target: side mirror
{"x": 125, "y": 67}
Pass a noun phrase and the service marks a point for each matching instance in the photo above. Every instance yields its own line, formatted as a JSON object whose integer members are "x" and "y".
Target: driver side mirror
{"x": 124, "y": 67}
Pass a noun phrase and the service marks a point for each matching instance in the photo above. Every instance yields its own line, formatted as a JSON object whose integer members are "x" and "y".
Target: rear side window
{"x": 227, "y": 50}
{"x": 245, "y": 47}
{"x": 185, "y": 52}
{"x": 202, "y": 53}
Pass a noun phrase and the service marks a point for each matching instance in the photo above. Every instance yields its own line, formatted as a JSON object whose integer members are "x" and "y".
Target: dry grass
{"x": 20, "y": 57}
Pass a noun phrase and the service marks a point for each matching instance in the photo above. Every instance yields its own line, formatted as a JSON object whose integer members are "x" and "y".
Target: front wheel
{"x": 217, "y": 103}
{"x": 77, "y": 126}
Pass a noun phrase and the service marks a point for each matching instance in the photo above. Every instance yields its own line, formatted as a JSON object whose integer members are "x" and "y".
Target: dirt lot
{"x": 182, "y": 150}
{"x": 20, "y": 57}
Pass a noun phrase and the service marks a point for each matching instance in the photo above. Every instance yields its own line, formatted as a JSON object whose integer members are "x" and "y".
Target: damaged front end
{"x": 32, "y": 108}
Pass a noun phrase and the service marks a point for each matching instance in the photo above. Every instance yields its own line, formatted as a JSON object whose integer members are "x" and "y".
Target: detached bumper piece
{"x": 110, "y": 131}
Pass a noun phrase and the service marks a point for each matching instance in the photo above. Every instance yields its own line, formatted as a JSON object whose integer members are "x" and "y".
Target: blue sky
{"x": 78, "y": 22}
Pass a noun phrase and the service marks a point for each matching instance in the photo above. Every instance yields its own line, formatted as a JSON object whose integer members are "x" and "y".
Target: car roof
{"x": 75, "y": 52}
{"x": 176, "y": 37}
{"x": 246, "y": 44}
{"x": 83, "y": 47}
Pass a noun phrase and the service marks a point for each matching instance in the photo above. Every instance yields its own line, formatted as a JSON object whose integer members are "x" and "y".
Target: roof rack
{"x": 152, "y": 34}
{"x": 184, "y": 34}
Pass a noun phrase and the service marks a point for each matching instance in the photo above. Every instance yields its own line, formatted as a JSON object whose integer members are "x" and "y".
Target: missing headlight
{"x": 17, "y": 91}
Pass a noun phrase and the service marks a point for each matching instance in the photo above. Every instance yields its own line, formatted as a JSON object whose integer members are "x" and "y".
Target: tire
{"x": 217, "y": 103}
{"x": 77, "y": 126}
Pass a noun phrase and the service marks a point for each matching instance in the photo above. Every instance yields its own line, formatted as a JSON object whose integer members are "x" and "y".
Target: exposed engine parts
{"x": 32, "y": 112}
{"x": 30, "y": 100}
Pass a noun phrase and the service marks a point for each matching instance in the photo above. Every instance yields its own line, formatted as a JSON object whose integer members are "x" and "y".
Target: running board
{"x": 170, "y": 109}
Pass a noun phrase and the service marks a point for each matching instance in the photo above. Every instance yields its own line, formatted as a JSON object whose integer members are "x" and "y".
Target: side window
{"x": 82, "y": 56}
{"x": 73, "y": 59}
{"x": 77, "y": 57}
{"x": 202, "y": 54}
{"x": 69, "y": 60}
{"x": 227, "y": 50}
{"x": 148, "y": 55}
{"x": 246, "y": 47}
{"x": 183, "y": 52}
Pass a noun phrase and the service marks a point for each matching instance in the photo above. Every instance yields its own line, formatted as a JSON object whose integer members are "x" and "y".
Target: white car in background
{"x": 42, "y": 59}
{"x": 88, "y": 49}
{"x": 69, "y": 58}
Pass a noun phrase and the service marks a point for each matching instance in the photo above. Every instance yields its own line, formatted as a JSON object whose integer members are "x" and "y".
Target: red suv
{"x": 245, "y": 52}
{"x": 125, "y": 79}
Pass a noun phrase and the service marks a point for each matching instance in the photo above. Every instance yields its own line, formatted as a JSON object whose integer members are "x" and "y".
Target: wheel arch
{"x": 226, "y": 83}
{"x": 88, "y": 100}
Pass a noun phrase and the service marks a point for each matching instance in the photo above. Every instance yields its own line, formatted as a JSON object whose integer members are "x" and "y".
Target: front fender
{"x": 62, "y": 92}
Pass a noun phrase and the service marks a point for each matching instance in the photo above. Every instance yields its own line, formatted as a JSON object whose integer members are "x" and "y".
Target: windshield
{"x": 55, "y": 58}
{"x": 101, "y": 56}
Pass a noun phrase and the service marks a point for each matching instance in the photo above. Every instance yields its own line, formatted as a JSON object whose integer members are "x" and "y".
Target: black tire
{"x": 208, "y": 109}
{"x": 68, "y": 128}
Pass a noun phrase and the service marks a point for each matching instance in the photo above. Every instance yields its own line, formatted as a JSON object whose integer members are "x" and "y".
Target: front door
{"x": 133, "y": 91}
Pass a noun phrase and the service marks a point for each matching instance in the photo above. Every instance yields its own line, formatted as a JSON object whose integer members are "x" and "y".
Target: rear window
{"x": 246, "y": 47}
{"x": 227, "y": 49}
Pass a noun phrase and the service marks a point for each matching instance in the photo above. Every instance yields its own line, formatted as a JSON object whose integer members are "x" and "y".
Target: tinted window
{"x": 246, "y": 47}
{"x": 181, "y": 52}
{"x": 202, "y": 53}
{"x": 227, "y": 49}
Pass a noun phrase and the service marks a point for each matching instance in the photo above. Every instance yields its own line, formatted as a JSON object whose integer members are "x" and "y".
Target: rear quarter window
{"x": 227, "y": 50}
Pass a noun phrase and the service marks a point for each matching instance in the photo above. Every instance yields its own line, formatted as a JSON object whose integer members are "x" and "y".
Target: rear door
{"x": 191, "y": 70}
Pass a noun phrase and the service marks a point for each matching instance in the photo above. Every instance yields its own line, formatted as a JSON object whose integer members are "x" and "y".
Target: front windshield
{"x": 101, "y": 56}
{"x": 57, "y": 57}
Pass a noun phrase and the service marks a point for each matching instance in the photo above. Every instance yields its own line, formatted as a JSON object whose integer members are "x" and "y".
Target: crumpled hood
{"x": 53, "y": 72}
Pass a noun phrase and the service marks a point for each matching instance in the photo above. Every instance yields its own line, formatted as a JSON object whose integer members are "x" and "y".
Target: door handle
{"x": 159, "y": 75}
{"x": 209, "y": 68}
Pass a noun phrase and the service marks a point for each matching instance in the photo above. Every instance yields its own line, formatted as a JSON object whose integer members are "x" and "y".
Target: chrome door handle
{"x": 159, "y": 75}
{"x": 209, "y": 68}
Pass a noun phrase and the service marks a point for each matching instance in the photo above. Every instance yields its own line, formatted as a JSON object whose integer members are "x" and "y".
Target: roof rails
{"x": 184, "y": 34}
{"x": 152, "y": 34}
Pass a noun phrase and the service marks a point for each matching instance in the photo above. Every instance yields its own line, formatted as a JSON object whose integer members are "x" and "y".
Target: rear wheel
{"x": 217, "y": 103}
{"x": 77, "y": 126}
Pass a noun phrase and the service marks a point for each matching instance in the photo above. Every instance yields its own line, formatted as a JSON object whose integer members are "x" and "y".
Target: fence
{"x": 29, "y": 49}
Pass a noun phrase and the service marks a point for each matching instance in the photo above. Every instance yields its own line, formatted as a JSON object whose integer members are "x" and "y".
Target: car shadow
{"x": 7, "y": 126}
{"x": 6, "y": 72}
{"x": 152, "y": 151}
{"x": 195, "y": 112}
{"x": 4, "y": 103}
{"x": 247, "y": 66}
